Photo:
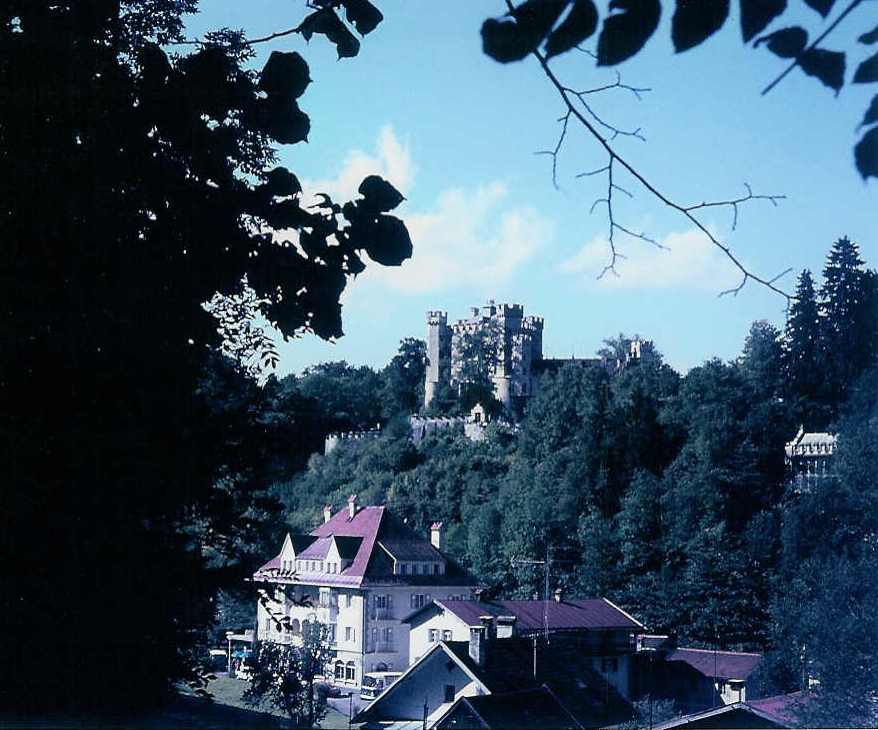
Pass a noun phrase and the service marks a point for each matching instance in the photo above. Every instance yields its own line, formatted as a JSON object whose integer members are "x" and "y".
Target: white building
{"x": 360, "y": 573}
{"x": 603, "y": 630}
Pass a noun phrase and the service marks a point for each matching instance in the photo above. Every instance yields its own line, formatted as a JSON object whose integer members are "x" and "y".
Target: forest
{"x": 667, "y": 493}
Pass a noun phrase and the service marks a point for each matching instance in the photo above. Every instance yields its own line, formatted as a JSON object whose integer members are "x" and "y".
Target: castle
{"x": 519, "y": 347}
{"x": 519, "y": 343}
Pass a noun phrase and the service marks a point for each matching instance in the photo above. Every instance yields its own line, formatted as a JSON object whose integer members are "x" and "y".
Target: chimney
{"x": 488, "y": 624}
{"x": 437, "y": 536}
{"x": 478, "y": 641}
{"x": 559, "y": 595}
{"x": 506, "y": 627}
{"x": 327, "y": 513}
{"x": 352, "y": 506}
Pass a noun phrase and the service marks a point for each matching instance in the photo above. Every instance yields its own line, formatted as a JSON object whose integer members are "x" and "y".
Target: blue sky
{"x": 457, "y": 132}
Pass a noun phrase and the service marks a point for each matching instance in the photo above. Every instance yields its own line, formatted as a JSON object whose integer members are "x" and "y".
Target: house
{"x": 599, "y": 627}
{"x": 809, "y": 458}
{"x": 359, "y": 573}
{"x": 771, "y": 712}
{"x": 432, "y": 690}
{"x": 529, "y": 709}
{"x": 696, "y": 679}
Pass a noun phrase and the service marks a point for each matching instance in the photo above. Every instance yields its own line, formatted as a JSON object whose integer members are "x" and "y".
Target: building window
{"x": 433, "y": 635}
{"x": 380, "y": 601}
{"x": 435, "y": 568}
{"x": 388, "y": 635}
{"x": 449, "y": 693}
{"x": 446, "y": 635}
{"x": 339, "y": 670}
{"x": 348, "y": 633}
{"x": 419, "y": 600}
{"x": 420, "y": 569}
{"x": 350, "y": 671}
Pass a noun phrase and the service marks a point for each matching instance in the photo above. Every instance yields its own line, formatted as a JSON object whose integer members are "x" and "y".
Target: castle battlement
{"x": 519, "y": 346}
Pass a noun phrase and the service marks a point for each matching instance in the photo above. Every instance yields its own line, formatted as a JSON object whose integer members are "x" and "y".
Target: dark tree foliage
{"x": 847, "y": 303}
{"x": 136, "y": 186}
{"x": 554, "y": 27}
{"x": 403, "y": 388}
{"x": 348, "y": 396}
{"x": 801, "y": 355}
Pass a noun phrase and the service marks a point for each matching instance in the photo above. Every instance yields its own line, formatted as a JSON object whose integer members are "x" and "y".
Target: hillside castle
{"x": 519, "y": 343}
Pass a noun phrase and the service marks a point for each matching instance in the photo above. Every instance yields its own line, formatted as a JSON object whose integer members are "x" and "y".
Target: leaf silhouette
{"x": 580, "y": 24}
{"x": 695, "y": 21}
{"x": 828, "y": 66}
{"x": 390, "y": 243}
{"x": 281, "y": 182}
{"x": 379, "y": 195}
{"x": 363, "y": 14}
{"x": 512, "y": 38}
{"x": 871, "y": 115}
{"x": 786, "y": 42}
{"x": 821, "y": 6}
{"x": 866, "y": 154}
{"x": 870, "y": 37}
{"x": 327, "y": 23}
{"x": 867, "y": 71}
{"x": 285, "y": 74}
{"x": 757, "y": 14}
{"x": 624, "y": 33}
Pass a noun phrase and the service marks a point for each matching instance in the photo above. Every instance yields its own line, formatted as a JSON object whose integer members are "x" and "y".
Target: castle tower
{"x": 438, "y": 354}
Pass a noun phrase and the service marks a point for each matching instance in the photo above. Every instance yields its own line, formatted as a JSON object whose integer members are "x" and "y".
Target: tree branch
{"x": 568, "y": 97}
{"x": 832, "y": 26}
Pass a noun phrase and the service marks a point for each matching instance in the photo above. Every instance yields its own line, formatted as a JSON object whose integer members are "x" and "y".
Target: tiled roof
{"x": 781, "y": 708}
{"x": 721, "y": 664}
{"x": 532, "y": 708}
{"x": 509, "y": 667}
{"x": 566, "y": 615}
{"x": 357, "y": 539}
{"x": 317, "y": 550}
{"x": 420, "y": 550}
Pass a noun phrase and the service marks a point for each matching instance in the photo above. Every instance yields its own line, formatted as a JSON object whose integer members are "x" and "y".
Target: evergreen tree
{"x": 846, "y": 325}
{"x": 802, "y": 354}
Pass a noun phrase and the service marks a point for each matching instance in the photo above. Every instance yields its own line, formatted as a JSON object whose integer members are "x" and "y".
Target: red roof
{"x": 566, "y": 615}
{"x": 780, "y": 707}
{"x": 369, "y": 524}
{"x": 721, "y": 664}
{"x": 366, "y": 523}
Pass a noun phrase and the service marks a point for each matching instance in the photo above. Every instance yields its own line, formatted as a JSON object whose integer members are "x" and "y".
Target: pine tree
{"x": 844, "y": 320}
{"x": 801, "y": 351}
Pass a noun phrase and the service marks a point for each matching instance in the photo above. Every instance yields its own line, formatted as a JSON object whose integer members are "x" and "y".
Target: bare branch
{"x": 569, "y": 98}
{"x": 733, "y": 204}
{"x": 555, "y": 152}
{"x": 637, "y": 91}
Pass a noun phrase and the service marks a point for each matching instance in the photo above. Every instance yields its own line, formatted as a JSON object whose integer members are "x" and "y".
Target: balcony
{"x": 381, "y": 614}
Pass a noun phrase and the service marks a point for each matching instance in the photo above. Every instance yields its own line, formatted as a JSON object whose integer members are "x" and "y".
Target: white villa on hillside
{"x": 360, "y": 573}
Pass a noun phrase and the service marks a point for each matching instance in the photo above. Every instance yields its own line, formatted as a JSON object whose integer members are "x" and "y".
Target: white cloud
{"x": 688, "y": 261}
{"x": 467, "y": 237}
{"x": 392, "y": 161}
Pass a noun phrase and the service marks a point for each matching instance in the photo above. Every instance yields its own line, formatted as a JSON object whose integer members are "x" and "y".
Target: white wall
{"x": 425, "y": 684}
{"x": 419, "y": 635}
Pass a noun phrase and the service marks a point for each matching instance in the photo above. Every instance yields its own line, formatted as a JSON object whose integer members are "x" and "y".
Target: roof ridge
{"x": 719, "y": 651}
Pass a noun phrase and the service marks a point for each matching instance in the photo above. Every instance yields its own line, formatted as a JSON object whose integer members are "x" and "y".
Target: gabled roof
{"x": 509, "y": 667}
{"x": 771, "y": 712}
{"x": 357, "y": 538}
{"x": 414, "y": 550}
{"x": 720, "y": 664}
{"x": 568, "y": 615}
{"x": 532, "y": 708}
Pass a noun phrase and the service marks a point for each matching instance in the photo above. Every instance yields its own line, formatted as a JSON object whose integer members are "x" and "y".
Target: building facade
{"x": 359, "y": 573}
{"x": 519, "y": 344}
{"x": 809, "y": 458}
